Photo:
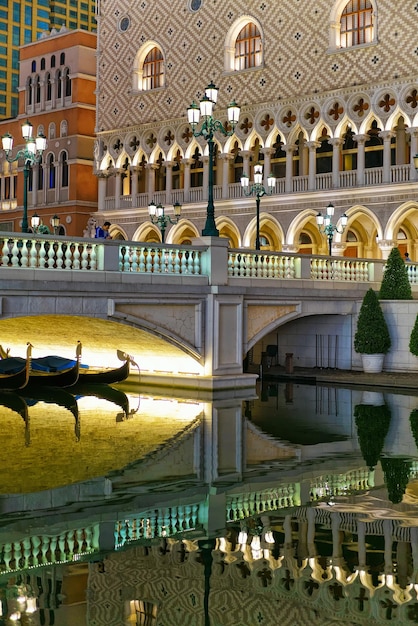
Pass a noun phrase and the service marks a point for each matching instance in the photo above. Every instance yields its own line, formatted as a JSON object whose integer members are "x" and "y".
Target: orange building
{"x": 57, "y": 87}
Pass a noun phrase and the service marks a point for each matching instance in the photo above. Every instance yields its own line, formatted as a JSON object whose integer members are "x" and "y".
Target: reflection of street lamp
{"x": 259, "y": 190}
{"x": 31, "y": 154}
{"x": 209, "y": 127}
{"x": 158, "y": 216}
{"x": 326, "y": 226}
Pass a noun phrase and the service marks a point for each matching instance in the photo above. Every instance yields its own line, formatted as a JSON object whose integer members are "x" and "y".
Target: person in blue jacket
{"x": 103, "y": 232}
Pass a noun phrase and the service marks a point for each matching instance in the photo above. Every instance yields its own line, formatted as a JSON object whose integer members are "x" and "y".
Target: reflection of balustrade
{"x": 43, "y": 550}
{"x": 333, "y": 485}
{"x": 244, "y": 505}
{"x": 168, "y": 522}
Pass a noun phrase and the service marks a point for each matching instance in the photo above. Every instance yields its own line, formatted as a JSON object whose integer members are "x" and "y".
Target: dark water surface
{"x": 294, "y": 505}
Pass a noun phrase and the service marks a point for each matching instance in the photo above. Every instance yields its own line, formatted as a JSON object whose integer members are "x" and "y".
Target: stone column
{"x": 336, "y": 144}
{"x": 169, "y": 182}
{"x": 361, "y": 140}
{"x": 53, "y": 92}
{"x": 134, "y": 177}
{"x": 387, "y": 135}
{"x": 101, "y": 191}
{"x": 225, "y": 158}
{"x": 150, "y": 168}
{"x": 267, "y": 164}
{"x": 118, "y": 187}
{"x": 246, "y": 161}
{"x": 413, "y": 132}
{"x": 386, "y": 247}
{"x": 312, "y": 146}
{"x": 290, "y": 150}
{"x": 187, "y": 163}
{"x": 42, "y": 86}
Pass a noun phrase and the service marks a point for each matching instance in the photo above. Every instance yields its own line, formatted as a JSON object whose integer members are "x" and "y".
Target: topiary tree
{"x": 372, "y": 424}
{"x": 413, "y": 340}
{"x": 372, "y": 335}
{"x": 396, "y": 472}
{"x": 395, "y": 283}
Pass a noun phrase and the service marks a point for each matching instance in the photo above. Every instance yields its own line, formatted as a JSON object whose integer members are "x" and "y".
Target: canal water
{"x": 292, "y": 505}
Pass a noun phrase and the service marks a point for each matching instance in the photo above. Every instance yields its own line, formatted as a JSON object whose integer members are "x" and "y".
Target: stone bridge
{"x": 192, "y": 311}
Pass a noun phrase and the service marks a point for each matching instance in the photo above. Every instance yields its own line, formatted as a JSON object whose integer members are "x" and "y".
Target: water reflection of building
{"x": 218, "y": 475}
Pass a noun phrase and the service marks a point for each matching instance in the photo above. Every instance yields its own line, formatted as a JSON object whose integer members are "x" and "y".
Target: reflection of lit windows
{"x": 142, "y": 613}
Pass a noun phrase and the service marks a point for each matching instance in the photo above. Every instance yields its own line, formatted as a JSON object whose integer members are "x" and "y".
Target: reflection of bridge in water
{"x": 285, "y": 531}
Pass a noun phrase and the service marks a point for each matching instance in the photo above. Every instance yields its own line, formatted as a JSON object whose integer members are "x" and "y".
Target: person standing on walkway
{"x": 407, "y": 259}
{"x": 103, "y": 233}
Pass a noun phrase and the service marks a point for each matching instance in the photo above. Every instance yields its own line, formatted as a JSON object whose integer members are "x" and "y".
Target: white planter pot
{"x": 372, "y": 398}
{"x": 372, "y": 363}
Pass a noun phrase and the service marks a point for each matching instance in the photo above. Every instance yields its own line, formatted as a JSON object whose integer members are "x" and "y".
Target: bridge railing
{"x": 209, "y": 257}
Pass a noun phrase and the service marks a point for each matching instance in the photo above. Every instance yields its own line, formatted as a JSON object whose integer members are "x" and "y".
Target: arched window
{"x": 177, "y": 172}
{"x": 42, "y": 63}
{"x": 196, "y": 169}
{"x": 59, "y": 84}
{"x": 63, "y": 128}
{"x": 40, "y": 177}
{"x": 373, "y": 147}
{"x": 353, "y": 23}
{"x": 48, "y": 87}
{"x": 53, "y": 60}
{"x": 278, "y": 159}
{"x": 153, "y": 70}
{"x": 51, "y": 130}
{"x": 148, "y": 68}
{"x": 37, "y": 90}
{"x": 64, "y": 169}
{"x": 51, "y": 166}
{"x": 33, "y": 66}
{"x": 29, "y": 90}
{"x": 67, "y": 81}
{"x": 357, "y": 23}
{"x": 248, "y": 48}
{"x": 62, "y": 58}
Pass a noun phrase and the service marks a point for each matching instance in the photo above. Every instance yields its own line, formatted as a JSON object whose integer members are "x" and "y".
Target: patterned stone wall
{"x": 298, "y": 63}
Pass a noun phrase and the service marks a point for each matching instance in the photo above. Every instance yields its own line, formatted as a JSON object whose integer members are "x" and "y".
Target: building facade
{"x": 328, "y": 97}
{"x": 23, "y": 22}
{"x": 57, "y": 94}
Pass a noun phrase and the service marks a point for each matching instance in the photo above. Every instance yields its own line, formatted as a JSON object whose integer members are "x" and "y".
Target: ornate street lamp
{"x": 158, "y": 216}
{"x": 38, "y": 226}
{"x": 259, "y": 190}
{"x": 31, "y": 154}
{"x": 326, "y": 226}
{"x": 209, "y": 127}
{"x": 55, "y": 222}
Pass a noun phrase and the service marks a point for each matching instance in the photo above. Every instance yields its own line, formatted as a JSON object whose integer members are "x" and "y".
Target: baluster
{"x": 70, "y": 541}
{"x": 230, "y": 265}
{"x": 159, "y": 261}
{"x": 134, "y": 259}
{"x": 169, "y": 259}
{"x": 15, "y": 254}
{"x": 93, "y": 256}
{"x": 24, "y": 261}
{"x": 149, "y": 253}
{"x": 51, "y": 256}
{"x": 76, "y": 257}
{"x": 5, "y": 253}
{"x": 84, "y": 257}
{"x": 142, "y": 260}
{"x": 196, "y": 262}
{"x": 59, "y": 254}
{"x": 68, "y": 256}
{"x": 177, "y": 260}
{"x": 186, "y": 262}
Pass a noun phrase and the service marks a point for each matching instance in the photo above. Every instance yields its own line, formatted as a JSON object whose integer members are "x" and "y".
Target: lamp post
{"x": 326, "y": 226}
{"x": 158, "y": 216}
{"x": 38, "y": 226}
{"x": 259, "y": 190}
{"x": 209, "y": 126}
{"x": 31, "y": 154}
{"x": 55, "y": 222}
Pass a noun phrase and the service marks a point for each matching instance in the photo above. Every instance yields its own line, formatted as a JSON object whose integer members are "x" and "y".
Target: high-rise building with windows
{"x": 22, "y": 22}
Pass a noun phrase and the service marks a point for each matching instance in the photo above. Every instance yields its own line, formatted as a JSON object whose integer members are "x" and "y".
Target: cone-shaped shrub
{"x": 372, "y": 424}
{"x": 413, "y": 340}
{"x": 395, "y": 284}
{"x": 413, "y": 420}
{"x": 396, "y": 473}
{"x": 372, "y": 335}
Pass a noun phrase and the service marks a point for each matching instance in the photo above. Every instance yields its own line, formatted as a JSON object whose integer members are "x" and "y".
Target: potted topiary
{"x": 413, "y": 340}
{"x": 395, "y": 283}
{"x": 372, "y": 340}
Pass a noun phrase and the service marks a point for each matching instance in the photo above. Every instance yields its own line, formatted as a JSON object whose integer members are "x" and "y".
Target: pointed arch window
{"x": 248, "y": 47}
{"x": 48, "y": 87}
{"x": 37, "y": 90}
{"x": 153, "y": 69}
{"x": 67, "y": 81}
{"x": 64, "y": 169}
{"x": 51, "y": 167}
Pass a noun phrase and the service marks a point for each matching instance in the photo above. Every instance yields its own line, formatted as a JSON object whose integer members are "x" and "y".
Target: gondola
{"x": 14, "y": 372}
{"x": 108, "y": 376}
{"x": 104, "y": 392}
{"x": 55, "y": 371}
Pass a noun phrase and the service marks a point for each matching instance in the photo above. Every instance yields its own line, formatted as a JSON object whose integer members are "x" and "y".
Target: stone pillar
{"x": 187, "y": 163}
{"x": 312, "y": 146}
{"x": 386, "y": 135}
{"x": 134, "y": 178}
{"x": 150, "y": 168}
{"x": 101, "y": 191}
{"x": 118, "y": 187}
{"x": 246, "y": 161}
{"x": 42, "y": 86}
{"x": 53, "y": 92}
{"x": 289, "y": 149}
{"x": 386, "y": 247}
{"x": 336, "y": 536}
{"x": 413, "y": 132}
{"x": 362, "y": 552}
{"x": 387, "y": 531}
{"x": 361, "y": 140}
{"x": 267, "y": 164}
{"x": 225, "y": 158}
{"x": 168, "y": 181}
{"x": 336, "y": 144}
